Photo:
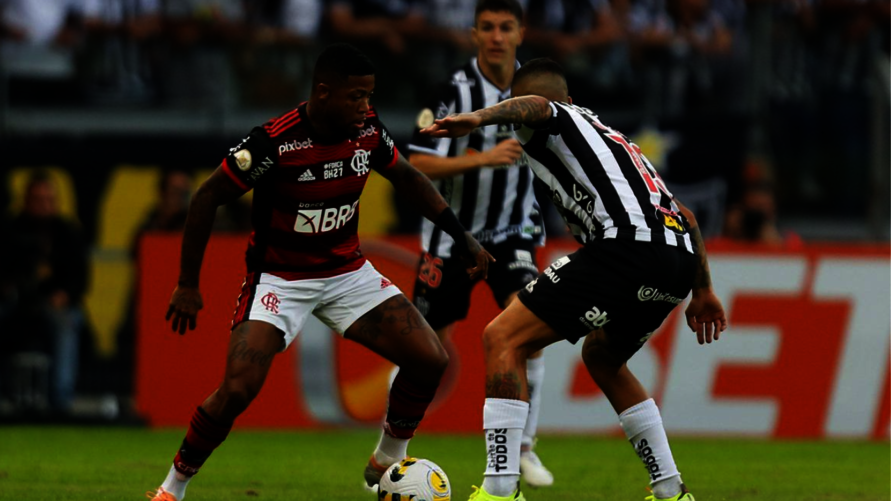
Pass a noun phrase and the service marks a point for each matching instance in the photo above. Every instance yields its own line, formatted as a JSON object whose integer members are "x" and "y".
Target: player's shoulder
{"x": 464, "y": 75}
{"x": 287, "y": 120}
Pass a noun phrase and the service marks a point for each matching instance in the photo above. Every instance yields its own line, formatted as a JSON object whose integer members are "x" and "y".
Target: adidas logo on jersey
{"x": 306, "y": 176}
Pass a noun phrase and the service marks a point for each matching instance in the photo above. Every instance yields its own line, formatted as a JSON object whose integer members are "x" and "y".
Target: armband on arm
{"x": 251, "y": 159}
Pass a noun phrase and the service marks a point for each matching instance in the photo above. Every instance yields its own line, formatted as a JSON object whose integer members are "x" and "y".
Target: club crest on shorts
{"x": 385, "y": 282}
{"x": 270, "y": 301}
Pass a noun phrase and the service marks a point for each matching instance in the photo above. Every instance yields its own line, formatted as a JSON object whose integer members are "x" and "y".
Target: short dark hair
{"x": 341, "y": 61}
{"x": 511, "y": 6}
{"x": 538, "y": 67}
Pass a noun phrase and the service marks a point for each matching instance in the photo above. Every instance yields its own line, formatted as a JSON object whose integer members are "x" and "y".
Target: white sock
{"x": 535, "y": 370}
{"x": 643, "y": 427}
{"x": 176, "y": 483}
{"x": 390, "y": 450}
{"x": 503, "y": 420}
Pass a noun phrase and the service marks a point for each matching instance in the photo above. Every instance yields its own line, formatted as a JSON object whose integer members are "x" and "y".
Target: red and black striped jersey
{"x": 306, "y": 194}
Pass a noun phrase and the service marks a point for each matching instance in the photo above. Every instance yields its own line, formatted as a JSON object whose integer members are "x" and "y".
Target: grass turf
{"x": 58, "y": 463}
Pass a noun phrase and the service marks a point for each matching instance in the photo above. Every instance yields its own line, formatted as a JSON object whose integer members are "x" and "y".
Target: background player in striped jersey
{"x": 308, "y": 168}
{"x": 488, "y": 183}
{"x": 642, "y": 254}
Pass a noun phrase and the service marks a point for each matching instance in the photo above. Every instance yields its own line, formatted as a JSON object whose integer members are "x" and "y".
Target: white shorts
{"x": 337, "y": 301}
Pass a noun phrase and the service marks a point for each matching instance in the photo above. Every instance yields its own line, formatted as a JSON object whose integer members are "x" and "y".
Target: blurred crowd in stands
{"x": 749, "y": 108}
{"x": 696, "y": 51}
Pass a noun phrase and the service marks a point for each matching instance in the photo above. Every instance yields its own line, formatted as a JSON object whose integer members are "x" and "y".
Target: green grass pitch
{"x": 93, "y": 463}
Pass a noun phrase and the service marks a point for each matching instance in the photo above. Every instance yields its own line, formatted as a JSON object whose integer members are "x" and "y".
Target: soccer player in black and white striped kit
{"x": 641, "y": 255}
{"x": 488, "y": 183}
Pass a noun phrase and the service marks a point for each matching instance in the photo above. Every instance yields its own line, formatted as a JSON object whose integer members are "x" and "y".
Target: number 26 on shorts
{"x": 431, "y": 271}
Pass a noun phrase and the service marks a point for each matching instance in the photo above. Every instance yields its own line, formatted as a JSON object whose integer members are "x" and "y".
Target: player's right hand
{"x": 477, "y": 259}
{"x": 457, "y": 125}
{"x": 504, "y": 153}
{"x": 184, "y": 306}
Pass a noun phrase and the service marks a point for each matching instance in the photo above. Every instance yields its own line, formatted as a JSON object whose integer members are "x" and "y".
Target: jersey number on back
{"x": 644, "y": 168}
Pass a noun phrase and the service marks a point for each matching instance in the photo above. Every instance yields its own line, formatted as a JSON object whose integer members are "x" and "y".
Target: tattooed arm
{"x": 702, "y": 278}
{"x": 705, "y": 314}
{"x": 531, "y": 111}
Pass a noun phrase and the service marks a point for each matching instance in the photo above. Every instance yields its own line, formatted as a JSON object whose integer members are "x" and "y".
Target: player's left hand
{"x": 705, "y": 316}
{"x": 477, "y": 259}
{"x": 457, "y": 125}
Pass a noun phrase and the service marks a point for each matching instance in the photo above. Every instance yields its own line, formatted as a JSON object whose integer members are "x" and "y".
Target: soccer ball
{"x": 414, "y": 479}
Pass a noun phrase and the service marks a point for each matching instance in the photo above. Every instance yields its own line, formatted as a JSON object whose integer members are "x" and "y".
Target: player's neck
{"x": 321, "y": 129}
{"x": 499, "y": 74}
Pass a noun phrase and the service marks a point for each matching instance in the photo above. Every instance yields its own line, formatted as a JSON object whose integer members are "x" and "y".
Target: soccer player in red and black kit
{"x": 307, "y": 169}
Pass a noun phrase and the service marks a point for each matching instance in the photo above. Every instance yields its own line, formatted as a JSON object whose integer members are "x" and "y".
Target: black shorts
{"x": 442, "y": 288}
{"x": 626, "y": 287}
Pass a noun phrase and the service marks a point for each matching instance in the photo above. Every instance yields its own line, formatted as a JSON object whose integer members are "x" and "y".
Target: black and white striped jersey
{"x": 601, "y": 183}
{"x": 493, "y": 203}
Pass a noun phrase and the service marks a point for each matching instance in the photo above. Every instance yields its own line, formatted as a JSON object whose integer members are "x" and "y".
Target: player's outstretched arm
{"x": 217, "y": 190}
{"x": 526, "y": 110}
{"x": 421, "y": 194}
{"x": 705, "y": 314}
{"x": 504, "y": 153}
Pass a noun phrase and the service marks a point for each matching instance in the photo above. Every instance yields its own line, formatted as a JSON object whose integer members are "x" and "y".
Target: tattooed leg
{"x": 507, "y": 342}
{"x": 252, "y": 347}
{"x": 397, "y": 331}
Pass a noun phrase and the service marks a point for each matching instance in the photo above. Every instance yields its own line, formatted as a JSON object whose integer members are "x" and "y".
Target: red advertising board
{"x": 806, "y": 353}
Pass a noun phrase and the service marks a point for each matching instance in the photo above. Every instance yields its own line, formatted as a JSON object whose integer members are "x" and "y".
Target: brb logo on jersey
{"x": 323, "y": 220}
{"x": 359, "y": 163}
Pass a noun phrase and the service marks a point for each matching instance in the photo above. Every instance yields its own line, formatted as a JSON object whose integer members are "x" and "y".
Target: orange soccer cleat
{"x": 160, "y": 495}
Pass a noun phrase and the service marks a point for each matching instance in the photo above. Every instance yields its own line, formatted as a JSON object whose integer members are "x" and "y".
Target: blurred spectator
{"x": 564, "y": 28}
{"x": 174, "y": 191}
{"x": 284, "y": 22}
{"x": 47, "y": 276}
{"x": 754, "y": 219}
{"x": 386, "y": 22}
{"x": 275, "y": 61}
{"x": 121, "y": 54}
{"x": 445, "y": 39}
{"x": 36, "y": 47}
{"x": 44, "y": 22}
{"x": 198, "y": 69}
{"x": 169, "y": 213}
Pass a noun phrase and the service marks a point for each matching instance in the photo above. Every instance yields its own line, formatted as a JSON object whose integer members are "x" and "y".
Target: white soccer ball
{"x": 414, "y": 479}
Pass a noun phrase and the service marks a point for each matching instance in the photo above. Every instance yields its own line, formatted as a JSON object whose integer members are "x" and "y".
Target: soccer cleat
{"x": 480, "y": 494}
{"x": 534, "y": 473}
{"x": 160, "y": 495}
{"x": 373, "y": 473}
{"x": 684, "y": 495}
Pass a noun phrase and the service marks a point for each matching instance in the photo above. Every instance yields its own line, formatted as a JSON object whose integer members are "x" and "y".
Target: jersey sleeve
{"x": 442, "y": 104}
{"x": 551, "y": 126}
{"x": 385, "y": 154}
{"x": 253, "y": 158}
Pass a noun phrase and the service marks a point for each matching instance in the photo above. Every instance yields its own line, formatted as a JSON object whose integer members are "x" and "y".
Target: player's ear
{"x": 569, "y": 99}
{"x": 522, "y": 34}
{"x": 323, "y": 90}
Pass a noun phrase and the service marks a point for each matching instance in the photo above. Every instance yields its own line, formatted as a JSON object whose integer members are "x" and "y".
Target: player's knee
{"x": 439, "y": 363}
{"x": 496, "y": 338}
{"x": 239, "y": 393}
{"x": 427, "y": 367}
{"x": 598, "y": 357}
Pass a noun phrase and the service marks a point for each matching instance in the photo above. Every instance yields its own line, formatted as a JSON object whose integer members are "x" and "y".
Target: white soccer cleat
{"x": 534, "y": 473}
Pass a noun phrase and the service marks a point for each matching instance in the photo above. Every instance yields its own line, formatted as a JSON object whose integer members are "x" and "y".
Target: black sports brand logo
{"x": 646, "y": 455}
{"x": 497, "y": 447}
